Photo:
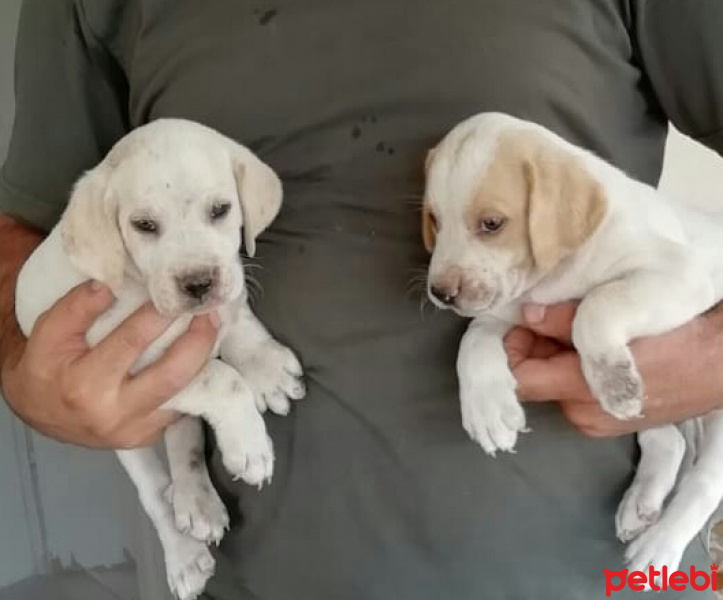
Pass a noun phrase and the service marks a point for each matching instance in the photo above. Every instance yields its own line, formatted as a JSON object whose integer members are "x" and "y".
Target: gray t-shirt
{"x": 378, "y": 493}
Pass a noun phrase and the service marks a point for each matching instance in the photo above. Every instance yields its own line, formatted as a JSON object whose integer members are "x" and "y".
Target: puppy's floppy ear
{"x": 90, "y": 231}
{"x": 260, "y": 193}
{"x": 566, "y": 206}
{"x": 429, "y": 229}
{"x": 429, "y": 158}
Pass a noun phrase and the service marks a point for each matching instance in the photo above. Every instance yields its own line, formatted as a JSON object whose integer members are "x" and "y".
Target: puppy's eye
{"x": 492, "y": 224}
{"x": 145, "y": 225}
{"x": 219, "y": 210}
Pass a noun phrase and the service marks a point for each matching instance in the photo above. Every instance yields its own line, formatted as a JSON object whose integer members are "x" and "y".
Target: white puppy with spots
{"x": 160, "y": 219}
{"x": 513, "y": 213}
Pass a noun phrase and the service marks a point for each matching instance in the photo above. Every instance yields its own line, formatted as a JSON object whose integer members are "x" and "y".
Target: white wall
{"x": 692, "y": 171}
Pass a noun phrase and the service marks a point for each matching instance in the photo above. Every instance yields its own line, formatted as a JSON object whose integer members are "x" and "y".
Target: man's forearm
{"x": 16, "y": 243}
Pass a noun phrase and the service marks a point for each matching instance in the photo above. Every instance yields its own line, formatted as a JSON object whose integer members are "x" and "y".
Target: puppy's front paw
{"x": 247, "y": 450}
{"x": 492, "y": 415}
{"x": 638, "y": 510}
{"x": 189, "y": 565}
{"x": 615, "y": 382}
{"x": 274, "y": 374}
{"x": 656, "y": 547}
{"x": 197, "y": 509}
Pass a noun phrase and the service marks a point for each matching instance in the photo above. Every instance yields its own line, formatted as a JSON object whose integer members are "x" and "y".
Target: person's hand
{"x": 72, "y": 393}
{"x": 681, "y": 370}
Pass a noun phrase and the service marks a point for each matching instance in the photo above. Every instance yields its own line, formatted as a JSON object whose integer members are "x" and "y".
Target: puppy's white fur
{"x": 644, "y": 265}
{"x": 175, "y": 177}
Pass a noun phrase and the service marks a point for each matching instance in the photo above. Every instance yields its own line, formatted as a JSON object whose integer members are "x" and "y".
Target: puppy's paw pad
{"x": 189, "y": 566}
{"x": 198, "y": 510}
{"x": 492, "y": 417}
{"x": 617, "y": 385}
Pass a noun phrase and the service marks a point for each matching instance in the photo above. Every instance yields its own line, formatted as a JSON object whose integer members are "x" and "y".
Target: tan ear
{"x": 429, "y": 230}
{"x": 429, "y": 158}
{"x": 90, "y": 232}
{"x": 566, "y": 206}
{"x": 260, "y": 193}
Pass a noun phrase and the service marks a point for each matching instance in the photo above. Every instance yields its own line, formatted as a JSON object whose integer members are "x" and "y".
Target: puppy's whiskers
{"x": 418, "y": 282}
{"x": 254, "y": 287}
{"x": 418, "y": 286}
{"x": 413, "y": 200}
{"x": 250, "y": 264}
{"x": 425, "y": 302}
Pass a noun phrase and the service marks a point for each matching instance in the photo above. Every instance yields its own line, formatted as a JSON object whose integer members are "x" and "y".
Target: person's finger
{"x": 518, "y": 342}
{"x": 116, "y": 353}
{"x": 553, "y": 321}
{"x": 523, "y": 344}
{"x": 181, "y": 362}
{"x": 556, "y": 378}
{"x": 593, "y": 421}
{"x": 75, "y": 312}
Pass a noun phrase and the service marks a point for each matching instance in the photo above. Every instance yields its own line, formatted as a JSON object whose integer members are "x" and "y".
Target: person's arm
{"x": 16, "y": 243}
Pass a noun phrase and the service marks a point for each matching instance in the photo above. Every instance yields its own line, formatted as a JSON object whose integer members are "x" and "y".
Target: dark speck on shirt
{"x": 268, "y": 16}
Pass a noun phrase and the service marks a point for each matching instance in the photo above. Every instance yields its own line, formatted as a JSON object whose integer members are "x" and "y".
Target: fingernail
{"x": 215, "y": 319}
{"x": 96, "y": 286}
{"x": 533, "y": 313}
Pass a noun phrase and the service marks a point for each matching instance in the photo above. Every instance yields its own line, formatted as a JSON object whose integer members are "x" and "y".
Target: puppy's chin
{"x": 468, "y": 308}
{"x": 187, "y": 306}
{"x": 475, "y": 308}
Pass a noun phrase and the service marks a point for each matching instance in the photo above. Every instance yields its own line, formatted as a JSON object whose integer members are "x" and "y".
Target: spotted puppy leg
{"x": 197, "y": 508}
{"x": 222, "y": 397}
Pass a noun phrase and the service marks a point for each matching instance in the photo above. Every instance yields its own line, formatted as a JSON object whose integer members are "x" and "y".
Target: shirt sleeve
{"x": 70, "y": 108}
{"x": 681, "y": 49}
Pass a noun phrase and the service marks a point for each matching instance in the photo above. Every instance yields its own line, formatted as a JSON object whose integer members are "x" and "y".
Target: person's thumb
{"x": 553, "y": 321}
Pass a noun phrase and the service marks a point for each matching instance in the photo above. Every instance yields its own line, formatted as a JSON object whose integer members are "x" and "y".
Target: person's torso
{"x": 378, "y": 493}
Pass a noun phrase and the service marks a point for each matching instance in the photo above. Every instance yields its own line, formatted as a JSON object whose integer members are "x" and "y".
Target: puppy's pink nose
{"x": 446, "y": 294}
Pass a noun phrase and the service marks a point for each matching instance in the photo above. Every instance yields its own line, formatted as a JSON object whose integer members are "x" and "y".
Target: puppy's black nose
{"x": 443, "y": 294}
{"x": 196, "y": 285}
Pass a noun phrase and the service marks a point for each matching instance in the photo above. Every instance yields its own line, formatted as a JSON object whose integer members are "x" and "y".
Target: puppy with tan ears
{"x": 160, "y": 219}
{"x": 513, "y": 213}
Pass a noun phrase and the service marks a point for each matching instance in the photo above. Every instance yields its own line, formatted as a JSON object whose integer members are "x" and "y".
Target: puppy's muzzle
{"x": 454, "y": 289}
{"x": 198, "y": 285}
